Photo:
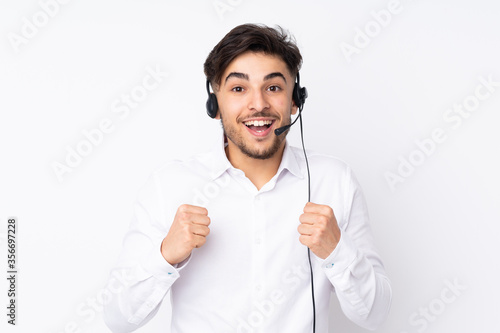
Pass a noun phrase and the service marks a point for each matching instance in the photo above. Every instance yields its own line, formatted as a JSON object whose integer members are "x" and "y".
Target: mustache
{"x": 261, "y": 114}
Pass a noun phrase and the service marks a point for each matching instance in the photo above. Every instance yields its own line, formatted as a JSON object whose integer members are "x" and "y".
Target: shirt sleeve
{"x": 142, "y": 277}
{"x": 354, "y": 268}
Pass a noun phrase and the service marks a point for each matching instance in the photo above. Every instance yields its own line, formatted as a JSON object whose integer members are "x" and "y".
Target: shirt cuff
{"x": 163, "y": 275}
{"x": 339, "y": 260}
{"x": 154, "y": 263}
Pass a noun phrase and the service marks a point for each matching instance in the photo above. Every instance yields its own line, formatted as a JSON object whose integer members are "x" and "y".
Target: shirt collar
{"x": 220, "y": 163}
{"x": 290, "y": 161}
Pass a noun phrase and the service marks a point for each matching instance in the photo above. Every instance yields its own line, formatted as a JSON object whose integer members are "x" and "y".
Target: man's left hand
{"x": 318, "y": 229}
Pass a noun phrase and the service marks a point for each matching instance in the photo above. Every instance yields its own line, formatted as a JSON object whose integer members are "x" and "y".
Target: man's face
{"x": 255, "y": 98}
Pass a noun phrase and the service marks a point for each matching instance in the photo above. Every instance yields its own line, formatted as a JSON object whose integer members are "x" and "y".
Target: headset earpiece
{"x": 212, "y": 105}
{"x": 299, "y": 94}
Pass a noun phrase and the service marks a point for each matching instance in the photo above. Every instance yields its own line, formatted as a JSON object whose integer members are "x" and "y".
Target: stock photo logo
{"x": 94, "y": 137}
{"x": 30, "y": 27}
{"x": 428, "y": 314}
{"x": 262, "y": 310}
{"x": 454, "y": 116}
{"x": 363, "y": 37}
{"x": 223, "y": 6}
{"x": 89, "y": 310}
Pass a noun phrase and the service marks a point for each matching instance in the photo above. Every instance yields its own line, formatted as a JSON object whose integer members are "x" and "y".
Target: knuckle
{"x": 183, "y": 216}
{"x": 187, "y": 229}
{"x": 302, "y": 240}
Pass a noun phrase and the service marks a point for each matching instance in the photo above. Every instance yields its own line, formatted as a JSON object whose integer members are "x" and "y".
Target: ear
{"x": 217, "y": 115}
{"x": 216, "y": 87}
{"x": 294, "y": 107}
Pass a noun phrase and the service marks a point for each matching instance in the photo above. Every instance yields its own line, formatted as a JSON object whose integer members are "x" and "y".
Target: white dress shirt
{"x": 252, "y": 274}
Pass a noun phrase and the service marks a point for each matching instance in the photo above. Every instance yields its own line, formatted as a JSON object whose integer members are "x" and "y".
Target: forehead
{"x": 256, "y": 65}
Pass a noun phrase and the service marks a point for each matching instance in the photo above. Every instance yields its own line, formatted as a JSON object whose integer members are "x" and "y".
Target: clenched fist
{"x": 318, "y": 229}
{"x": 188, "y": 231}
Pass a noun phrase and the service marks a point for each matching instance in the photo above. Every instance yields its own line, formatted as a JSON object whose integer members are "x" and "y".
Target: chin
{"x": 262, "y": 154}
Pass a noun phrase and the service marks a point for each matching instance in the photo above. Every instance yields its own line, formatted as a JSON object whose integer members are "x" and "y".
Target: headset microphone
{"x": 282, "y": 129}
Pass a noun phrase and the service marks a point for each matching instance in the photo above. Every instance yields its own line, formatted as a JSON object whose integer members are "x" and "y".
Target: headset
{"x": 299, "y": 96}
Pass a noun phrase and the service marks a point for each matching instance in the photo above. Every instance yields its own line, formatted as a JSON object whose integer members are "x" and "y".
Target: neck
{"x": 257, "y": 170}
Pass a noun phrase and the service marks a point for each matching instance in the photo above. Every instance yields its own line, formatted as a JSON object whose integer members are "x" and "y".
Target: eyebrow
{"x": 273, "y": 75}
{"x": 237, "y": 75}
{"x": 246, "y": 77}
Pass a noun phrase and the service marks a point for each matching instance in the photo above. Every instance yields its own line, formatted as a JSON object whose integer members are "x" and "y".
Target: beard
{"x": 262, "y": 154}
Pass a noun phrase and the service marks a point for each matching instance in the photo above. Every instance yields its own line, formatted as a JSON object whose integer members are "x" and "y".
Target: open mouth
{"x": 259, "y": 127}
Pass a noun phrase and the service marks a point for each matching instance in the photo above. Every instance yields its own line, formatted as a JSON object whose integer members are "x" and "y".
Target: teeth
{"x": 258, "y": 122}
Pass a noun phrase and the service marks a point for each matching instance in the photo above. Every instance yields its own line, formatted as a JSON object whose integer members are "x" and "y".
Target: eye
{"x": 237, "y": 89}
{"x": 274, "y": 88}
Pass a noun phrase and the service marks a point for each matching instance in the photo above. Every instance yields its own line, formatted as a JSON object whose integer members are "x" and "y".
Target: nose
{"x": 257, "y": 100}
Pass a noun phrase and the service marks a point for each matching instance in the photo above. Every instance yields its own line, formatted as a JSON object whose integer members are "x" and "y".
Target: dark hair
{"x": 255, "y": 38}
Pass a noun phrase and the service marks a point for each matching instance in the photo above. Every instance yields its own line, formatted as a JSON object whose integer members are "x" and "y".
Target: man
{"x": 227, "y": 232}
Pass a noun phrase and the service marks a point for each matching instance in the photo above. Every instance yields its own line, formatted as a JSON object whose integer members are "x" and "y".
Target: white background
{"x": 439, "y": 224}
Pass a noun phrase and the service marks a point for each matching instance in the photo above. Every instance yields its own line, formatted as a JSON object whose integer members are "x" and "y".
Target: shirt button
{"x": 258, "y": 287}
{"x": 258, "y": 240}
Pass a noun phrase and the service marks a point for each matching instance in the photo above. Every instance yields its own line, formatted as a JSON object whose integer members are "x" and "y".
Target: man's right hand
{"x": 188, "y": 231}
